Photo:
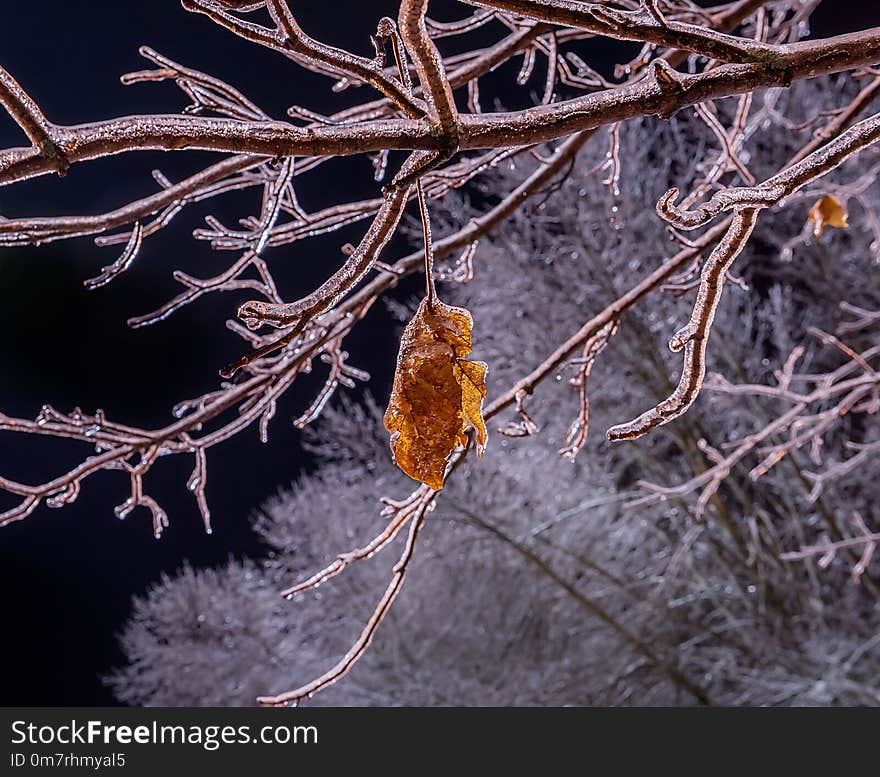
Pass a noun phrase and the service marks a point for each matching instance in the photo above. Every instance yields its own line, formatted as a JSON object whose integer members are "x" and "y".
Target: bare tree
{"x": 692, "y": 58}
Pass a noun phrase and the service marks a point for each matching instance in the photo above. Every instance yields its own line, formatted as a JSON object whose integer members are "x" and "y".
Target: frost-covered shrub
{"x": 537, "y": 582}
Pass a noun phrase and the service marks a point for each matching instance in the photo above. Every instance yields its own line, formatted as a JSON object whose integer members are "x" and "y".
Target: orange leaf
{"x": 437, "y": 394}
{"x": 828, "y": 212}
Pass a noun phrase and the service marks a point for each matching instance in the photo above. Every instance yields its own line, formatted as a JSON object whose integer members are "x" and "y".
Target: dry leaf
{"x": 828, "y": 212}
{"x": 437, "y": 393}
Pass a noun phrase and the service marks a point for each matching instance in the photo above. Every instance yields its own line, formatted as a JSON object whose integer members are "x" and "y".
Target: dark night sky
{"x": 68, "y": 575}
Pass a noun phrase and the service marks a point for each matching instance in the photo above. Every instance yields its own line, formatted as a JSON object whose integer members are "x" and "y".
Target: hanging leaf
{"x": 828, "y": 212}
{"x": 437, "y": 394}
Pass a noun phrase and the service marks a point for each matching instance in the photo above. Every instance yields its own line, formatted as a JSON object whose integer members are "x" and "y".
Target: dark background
{"x": 68, "y": 575}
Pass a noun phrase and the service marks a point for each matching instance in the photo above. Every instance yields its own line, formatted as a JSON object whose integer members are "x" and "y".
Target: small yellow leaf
{"x": 437, "y": 394}
{"x": 828, "y": 212}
